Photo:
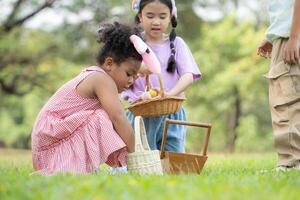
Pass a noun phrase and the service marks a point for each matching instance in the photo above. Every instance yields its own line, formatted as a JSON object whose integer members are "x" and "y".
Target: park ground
{"x": 225, "y": 176}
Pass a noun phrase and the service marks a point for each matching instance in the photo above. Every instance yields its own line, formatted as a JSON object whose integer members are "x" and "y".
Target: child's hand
{"x": 265, "y": 49}
{"x": 143, "y": 70}
{"x": 291, "y": 51}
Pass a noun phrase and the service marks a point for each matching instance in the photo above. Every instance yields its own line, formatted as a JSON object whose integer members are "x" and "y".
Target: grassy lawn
{"x": 229, "y": 177}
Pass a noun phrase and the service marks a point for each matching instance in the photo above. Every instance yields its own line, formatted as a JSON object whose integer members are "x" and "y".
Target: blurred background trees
{"x": 44, "y": 43}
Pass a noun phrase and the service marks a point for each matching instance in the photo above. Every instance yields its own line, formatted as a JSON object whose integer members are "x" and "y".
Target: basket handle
{"x": 200, "y": 125}
{"x": 161, "y": 85}
{"x": 141, "y": 142}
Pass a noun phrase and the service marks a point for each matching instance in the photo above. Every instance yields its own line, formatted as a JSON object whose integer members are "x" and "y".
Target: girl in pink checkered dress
{"x": 83, "y": 124}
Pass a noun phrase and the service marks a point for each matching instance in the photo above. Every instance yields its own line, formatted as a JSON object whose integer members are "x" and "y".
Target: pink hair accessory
{"x": 135, "y": 4}
{"x": 148, "y": 55}
{"x": 174, "y": 9}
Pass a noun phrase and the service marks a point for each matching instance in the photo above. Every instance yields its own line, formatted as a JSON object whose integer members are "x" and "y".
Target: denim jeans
{"x": 154, "y": 128}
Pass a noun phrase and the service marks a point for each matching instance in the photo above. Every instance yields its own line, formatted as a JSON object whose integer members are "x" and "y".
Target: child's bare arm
{"x": 107, "y": 93}
{"x": 291, "y": 50}
{"x": 184, "y": 81}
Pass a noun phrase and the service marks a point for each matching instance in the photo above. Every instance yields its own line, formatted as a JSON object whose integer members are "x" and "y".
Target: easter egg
{"x": 153, "y": 93}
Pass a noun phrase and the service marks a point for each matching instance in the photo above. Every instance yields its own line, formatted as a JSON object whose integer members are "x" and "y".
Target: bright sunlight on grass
{"x": 229, "y": 177}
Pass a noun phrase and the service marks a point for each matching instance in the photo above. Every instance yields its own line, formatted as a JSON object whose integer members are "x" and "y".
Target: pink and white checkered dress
{"x": 74, "y": 134}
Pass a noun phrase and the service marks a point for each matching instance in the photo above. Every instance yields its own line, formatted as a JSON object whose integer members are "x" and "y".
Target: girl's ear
{"x": 108, "y": 63}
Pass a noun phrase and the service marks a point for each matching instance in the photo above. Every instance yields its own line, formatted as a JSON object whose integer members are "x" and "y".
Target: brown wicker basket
{"x": 183, "y": 163}
{"x": 156, "y": 106}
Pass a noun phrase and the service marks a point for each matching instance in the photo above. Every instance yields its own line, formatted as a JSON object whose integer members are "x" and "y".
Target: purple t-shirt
{"x": 185, "y": 63}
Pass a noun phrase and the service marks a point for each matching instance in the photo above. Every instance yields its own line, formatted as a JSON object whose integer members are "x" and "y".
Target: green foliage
{"x": 228, "y": 61}
{"x": 40, "y": 58}
{"x": 223, "y": 177}
{"x": 250, "y": 138}
{"x": 18, "y": 113}
{"x": 44, "y": 60}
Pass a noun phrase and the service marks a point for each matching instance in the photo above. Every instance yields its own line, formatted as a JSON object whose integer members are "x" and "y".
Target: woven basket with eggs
{"x": 160, "y": 105}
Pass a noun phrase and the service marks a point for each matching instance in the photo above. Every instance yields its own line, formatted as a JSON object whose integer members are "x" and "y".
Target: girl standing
{"x": 178, "y": 69}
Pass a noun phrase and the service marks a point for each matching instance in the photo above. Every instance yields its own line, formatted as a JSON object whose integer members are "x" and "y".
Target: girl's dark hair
{"x": 116, "y": 43}
{"x": 171, "y": 63}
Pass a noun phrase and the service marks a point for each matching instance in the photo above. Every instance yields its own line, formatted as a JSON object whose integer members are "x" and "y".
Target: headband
{"x": 149, "y": 57}
{"x": 135, "y": 4}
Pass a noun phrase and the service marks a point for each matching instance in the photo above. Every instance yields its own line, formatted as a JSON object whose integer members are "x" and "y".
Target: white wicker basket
{"x": 143, "y": 161}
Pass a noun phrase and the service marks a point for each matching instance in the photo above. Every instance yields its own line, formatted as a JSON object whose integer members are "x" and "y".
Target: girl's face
{"x": 125, "y": 73}
{"x": 155, "y": 18}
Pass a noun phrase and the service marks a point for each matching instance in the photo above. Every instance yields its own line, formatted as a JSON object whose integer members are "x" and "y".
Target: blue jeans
{"x": 154, "y": 128}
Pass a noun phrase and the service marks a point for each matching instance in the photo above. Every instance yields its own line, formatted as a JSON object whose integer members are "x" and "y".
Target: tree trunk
{"x": 12, "y": 21}
{"x": 236, "y": 4}
{"x": 234, "y": 119}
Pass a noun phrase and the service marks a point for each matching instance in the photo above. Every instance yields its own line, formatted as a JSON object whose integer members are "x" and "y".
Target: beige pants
{"x": 284, "y": 99}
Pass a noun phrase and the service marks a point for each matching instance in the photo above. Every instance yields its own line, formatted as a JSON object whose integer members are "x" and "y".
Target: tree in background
{"x": 34, "y": 62}
{"x": 216, "y": 10}
{"x": 232, "y": 93}
{"x": 22, "y": 56}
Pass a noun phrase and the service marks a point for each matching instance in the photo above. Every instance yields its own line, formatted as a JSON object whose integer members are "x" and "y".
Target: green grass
{"x": 223, "y": 177}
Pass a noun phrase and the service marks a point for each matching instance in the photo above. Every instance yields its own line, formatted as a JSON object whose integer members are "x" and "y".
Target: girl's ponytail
{"x": 172, "y": 63}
